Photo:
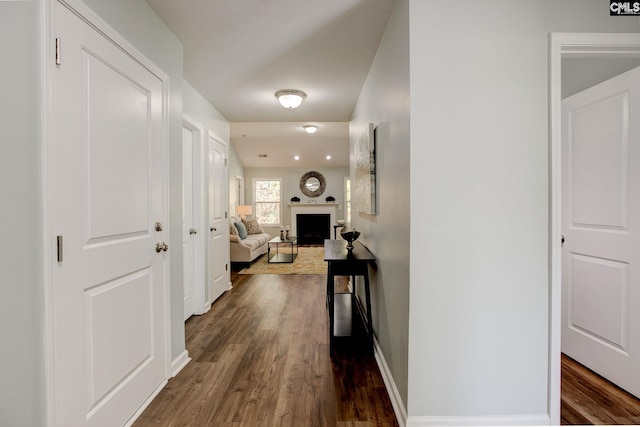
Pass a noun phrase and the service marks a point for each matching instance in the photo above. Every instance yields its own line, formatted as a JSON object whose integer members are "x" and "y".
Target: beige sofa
{"x": 248, "y": 249}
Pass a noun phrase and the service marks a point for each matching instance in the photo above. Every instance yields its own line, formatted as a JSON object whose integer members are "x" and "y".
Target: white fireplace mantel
{"x": 311, "y": 208}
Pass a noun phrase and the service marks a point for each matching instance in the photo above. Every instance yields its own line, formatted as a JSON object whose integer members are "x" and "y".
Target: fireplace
{"x": 298, "y": 209}
{"x": 313, "y": 228}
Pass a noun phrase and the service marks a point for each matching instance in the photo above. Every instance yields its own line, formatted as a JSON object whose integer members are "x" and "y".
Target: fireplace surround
{"x": 312, "y": 209}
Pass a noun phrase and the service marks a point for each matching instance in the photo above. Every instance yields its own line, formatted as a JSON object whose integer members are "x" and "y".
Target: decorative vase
{"x": 350, "y": 236}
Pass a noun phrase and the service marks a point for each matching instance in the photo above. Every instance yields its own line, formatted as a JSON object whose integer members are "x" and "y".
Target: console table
{"x": 353, "y": 263}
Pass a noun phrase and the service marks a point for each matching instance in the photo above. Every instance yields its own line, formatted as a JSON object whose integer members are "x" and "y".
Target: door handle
{"x": 193, "y": 231}
{"x": 213, "y": 229}
{"x": 162, "y": 247}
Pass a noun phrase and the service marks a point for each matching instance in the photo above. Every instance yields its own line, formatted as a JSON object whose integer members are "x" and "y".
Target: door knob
{"x": 162, "y": 247}
{"x": 213, "y": 229}
{"x": 193, "y": 231}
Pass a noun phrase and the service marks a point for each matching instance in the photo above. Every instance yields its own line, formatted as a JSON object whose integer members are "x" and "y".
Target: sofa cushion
{"x": 233, "y": 231}
{"x": 252, "y": 226}
{"x": 252, "y": 243}
{"x": 242, "y": 230}
{"x": 262, "y": 238}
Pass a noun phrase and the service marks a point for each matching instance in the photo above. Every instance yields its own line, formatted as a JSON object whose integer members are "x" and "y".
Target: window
{"x": 267, "y": 196}
{"x": 347, "y": 200}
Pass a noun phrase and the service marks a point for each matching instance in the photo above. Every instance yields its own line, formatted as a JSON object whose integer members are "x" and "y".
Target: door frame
{"x": 199, "y": 205}
{"x": 48, "y": 169}
{"x": 568, "y": 45}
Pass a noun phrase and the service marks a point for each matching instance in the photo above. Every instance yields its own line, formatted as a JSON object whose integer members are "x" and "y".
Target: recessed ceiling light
{"x": 328, "y": 157}
{"x": 310, "y": 128}
{"x": 296, "y": 157}
{"x": 290, "y": 98}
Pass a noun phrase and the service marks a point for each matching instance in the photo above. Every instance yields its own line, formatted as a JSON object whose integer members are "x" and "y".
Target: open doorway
{"x": 613, "y": 53}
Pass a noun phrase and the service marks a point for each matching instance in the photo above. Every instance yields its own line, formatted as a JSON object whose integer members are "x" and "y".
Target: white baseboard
{"x": 496, "y": 420}
{"x": 396, "y": 401}
{"x": 179, "y": 363}
{"x": 205, "y": 308}
{"x": 146, "y": 403}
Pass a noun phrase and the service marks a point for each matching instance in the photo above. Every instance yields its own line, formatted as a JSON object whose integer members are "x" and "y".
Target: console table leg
{"x": 368, "y": 298}
{"x": 330, "y": 303}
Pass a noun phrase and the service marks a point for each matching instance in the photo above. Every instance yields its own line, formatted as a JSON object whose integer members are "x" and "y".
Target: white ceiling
{"x": 238, "y": 53}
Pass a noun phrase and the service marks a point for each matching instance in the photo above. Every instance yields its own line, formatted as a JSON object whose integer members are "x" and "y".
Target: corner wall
{"x": 384, "y": 101}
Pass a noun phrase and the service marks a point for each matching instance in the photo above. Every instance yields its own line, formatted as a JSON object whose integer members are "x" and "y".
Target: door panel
{"x": 117, "y": 113}
{"x": 599, "y": 168}
{"x": 219, "y": 229}
{"x": 108, "y": 290}
{"x": 597, "y": 299}
{"x": 129, "y": 346}
{"x": 601, "y": 220}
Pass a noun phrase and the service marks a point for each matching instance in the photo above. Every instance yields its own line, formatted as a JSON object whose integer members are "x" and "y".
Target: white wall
{"x": 384, "y": 101}
{"x": 139, "y": 24}
{"x": 478, "y": 344}
{"x": 21, "y": 244}
{"x": 201, "y": 110}
{"x": 290, "y": 187}
{"x": 196, "y": 106}
{"x": 236, "y": 169}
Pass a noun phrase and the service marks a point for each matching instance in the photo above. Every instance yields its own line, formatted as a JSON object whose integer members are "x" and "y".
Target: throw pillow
{"x": 252, "y": 226}
{"x": 233, "y": 231}
{"x": 242, "y": 230}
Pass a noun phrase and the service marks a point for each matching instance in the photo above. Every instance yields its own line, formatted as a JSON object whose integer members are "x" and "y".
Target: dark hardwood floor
{"x": 260, "y": 357}
{"x": 589, "y": 399}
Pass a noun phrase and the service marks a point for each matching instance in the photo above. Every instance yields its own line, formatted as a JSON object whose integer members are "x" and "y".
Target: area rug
{"x": 310, "y": 260}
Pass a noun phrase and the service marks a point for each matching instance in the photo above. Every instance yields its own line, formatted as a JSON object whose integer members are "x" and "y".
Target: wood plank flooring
{"x": 589, "y": 399}
{"x": 260, "y": 357}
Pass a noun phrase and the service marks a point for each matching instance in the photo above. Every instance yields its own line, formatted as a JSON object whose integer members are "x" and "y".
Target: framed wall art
{"x": 365, "y": 173}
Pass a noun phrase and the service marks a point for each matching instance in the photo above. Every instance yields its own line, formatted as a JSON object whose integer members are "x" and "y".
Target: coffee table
{"x": 287, "y": 254}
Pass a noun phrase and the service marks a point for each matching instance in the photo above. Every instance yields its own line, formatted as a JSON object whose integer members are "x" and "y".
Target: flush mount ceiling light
{"x": 290, "y": 98}
{"x": 310, "y": 128}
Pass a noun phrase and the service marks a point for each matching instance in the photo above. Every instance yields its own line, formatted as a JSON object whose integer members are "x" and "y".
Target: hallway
{"x": 260, "y": 357}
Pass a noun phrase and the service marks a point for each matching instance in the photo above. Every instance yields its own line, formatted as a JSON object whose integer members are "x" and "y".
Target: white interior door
{"x": 188, "y": 225}
{"x": 601, "y": 226}
{"x": 108, "y": 286}
{"x": 218, "y": 223}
